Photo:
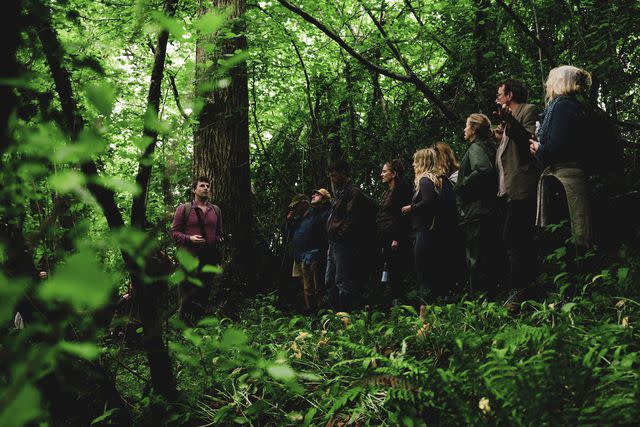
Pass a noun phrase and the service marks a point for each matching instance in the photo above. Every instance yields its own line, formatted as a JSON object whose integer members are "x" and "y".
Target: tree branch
{"x": 74, "y": 122}
{"x": 417, "y": 81}
{"x": 138, "y": 208}
{"x": 411, "y": 78}
{"x": 523, "y": 27}
{"x": 176, "y": 96}
{"x": 433, "y": 36}
{"x": 333, "y": 36}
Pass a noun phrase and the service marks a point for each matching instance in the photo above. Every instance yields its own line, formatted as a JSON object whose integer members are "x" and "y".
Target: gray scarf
{"x": 543, "y": 133}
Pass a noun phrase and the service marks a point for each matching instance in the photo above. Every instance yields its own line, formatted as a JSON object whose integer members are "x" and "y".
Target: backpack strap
{"x": 185, "y": 214}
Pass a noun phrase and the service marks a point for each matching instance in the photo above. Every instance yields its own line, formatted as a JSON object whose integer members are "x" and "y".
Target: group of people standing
{"x": 458, "y": 223}
{"x": 480, "y": 213}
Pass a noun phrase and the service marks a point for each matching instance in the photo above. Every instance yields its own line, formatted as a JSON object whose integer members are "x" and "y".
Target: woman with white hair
{"x": 560, "y": 149}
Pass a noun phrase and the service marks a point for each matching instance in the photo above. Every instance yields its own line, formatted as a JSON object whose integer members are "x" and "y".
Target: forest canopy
{"x": 110, "y": 110}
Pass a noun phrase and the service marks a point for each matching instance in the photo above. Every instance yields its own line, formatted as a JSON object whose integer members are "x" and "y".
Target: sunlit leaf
{"x": 186, "y": 260}
{"x": 233, "y": 337}
{"x": 67, "y": 181}
{"x": 102, "y": 96}
{"x": 119, "y": 185}
{"x": 84, "y": 350}
{"x": 22, "y": 407}
{"x": 281, "y": 372}
{"x": 80, "y": 281}
{"x": 171, "y": 24}
{"x": 211, "y": 22}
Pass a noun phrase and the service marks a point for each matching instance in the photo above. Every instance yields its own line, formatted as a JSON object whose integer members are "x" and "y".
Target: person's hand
{"x": 394, "y": 245}
{"x": 498, "y": 132}
{"x": 406, "y": 209}
{"x": 197, "y": 239}
{"x": 43, "y": 275}
{"x": 533, "y": 146}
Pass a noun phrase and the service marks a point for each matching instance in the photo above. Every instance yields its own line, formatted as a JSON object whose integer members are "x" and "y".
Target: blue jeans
{"x": 339, "y": 277}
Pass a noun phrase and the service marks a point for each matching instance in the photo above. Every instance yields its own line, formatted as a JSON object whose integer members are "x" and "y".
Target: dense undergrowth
{"x": 561, "y": 361}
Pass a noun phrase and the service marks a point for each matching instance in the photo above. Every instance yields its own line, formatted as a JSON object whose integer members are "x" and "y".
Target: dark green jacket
{"x": 477, "y": 183}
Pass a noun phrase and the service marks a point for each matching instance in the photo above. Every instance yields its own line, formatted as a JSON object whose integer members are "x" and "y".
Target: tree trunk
{"x": 221, "y": 148}
{"x": 485, "y": 63}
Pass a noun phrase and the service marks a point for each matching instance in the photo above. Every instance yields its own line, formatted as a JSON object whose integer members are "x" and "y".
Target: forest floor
{"x": 562, "y": 360}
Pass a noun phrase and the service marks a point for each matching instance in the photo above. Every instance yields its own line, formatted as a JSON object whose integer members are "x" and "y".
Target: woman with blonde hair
{"x": 476, "y": 191}
{"x": 559, "y": 148}
{"x": 425, "y": 209}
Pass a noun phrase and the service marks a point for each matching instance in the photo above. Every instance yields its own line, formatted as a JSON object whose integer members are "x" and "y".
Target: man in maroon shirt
{"x": 197, "y": 227}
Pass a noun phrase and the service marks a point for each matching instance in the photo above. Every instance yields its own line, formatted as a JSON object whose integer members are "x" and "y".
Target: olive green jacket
{"x": 477, "y": 183}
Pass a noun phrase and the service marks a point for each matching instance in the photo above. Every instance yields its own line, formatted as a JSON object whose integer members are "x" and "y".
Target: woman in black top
{"x": 392, "y": 226}
{"x": 423, "y": 209}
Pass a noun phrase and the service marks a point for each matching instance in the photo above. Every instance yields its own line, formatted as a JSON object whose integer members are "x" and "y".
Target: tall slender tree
{"x": 221, "y": 149}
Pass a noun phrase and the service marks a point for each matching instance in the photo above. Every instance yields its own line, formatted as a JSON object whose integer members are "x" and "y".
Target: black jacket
{"x": 390, "y": 223}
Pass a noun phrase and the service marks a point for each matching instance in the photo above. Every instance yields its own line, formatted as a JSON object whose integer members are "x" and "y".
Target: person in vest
{"x": 476, "y": 199}
{"x": 424, "y": 210}
{"x": 310, "y": 243}
{"x": 392, "y": 227}
{"x": 559, "y": 149}
{"x": 197, "y": 228}
{"x": 344, "y": 230}
{"x": 518, "y": 174}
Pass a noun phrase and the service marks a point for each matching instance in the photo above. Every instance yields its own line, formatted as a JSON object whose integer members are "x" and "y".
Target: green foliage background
{"x": 571, "y": 359}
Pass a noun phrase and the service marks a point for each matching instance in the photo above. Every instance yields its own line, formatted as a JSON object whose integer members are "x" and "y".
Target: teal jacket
{"x": 477, "y": 183}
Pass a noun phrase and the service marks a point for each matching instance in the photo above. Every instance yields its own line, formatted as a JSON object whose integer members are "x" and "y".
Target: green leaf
{"x": 623, "y": 274}
{"x": 171, "y": 24}
{"x": 233, "y": 337}
{"x": 80, "y": 281}
{"x": 23, "y": 408}
{"x": 212, "y": 269}
{"x": 84, "y": 350}
{"x": 102, "y": 96}
{"x": 281, "y": 372}
{"x": 67, "y": 181}
{"x": 211, "y": 22}
{"x": 209, "y": 321}
{"x": 186, "y": 260}
{"x": 153, "y": 123}
{"x": 119, "y": 185}
{"x": 177, "y": 277}
{"x": 308, "y": 417}
{"x": 568, "y": 307}
{"x": 105, "y": 415}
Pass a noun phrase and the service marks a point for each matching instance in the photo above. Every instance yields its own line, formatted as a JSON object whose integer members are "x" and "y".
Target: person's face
{"x": 316, "y": 198}
{"x": 202, "y": 189}
{"x": 415, "y": 164}
{"x": 469, "y": 134}
{"x": 337, "y": 178}
{"x": 387, "y": 174}
{"x": 503, "y": 98}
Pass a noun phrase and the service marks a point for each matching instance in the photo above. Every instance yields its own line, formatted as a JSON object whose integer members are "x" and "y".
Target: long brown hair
{"x": 446, "y": 158}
